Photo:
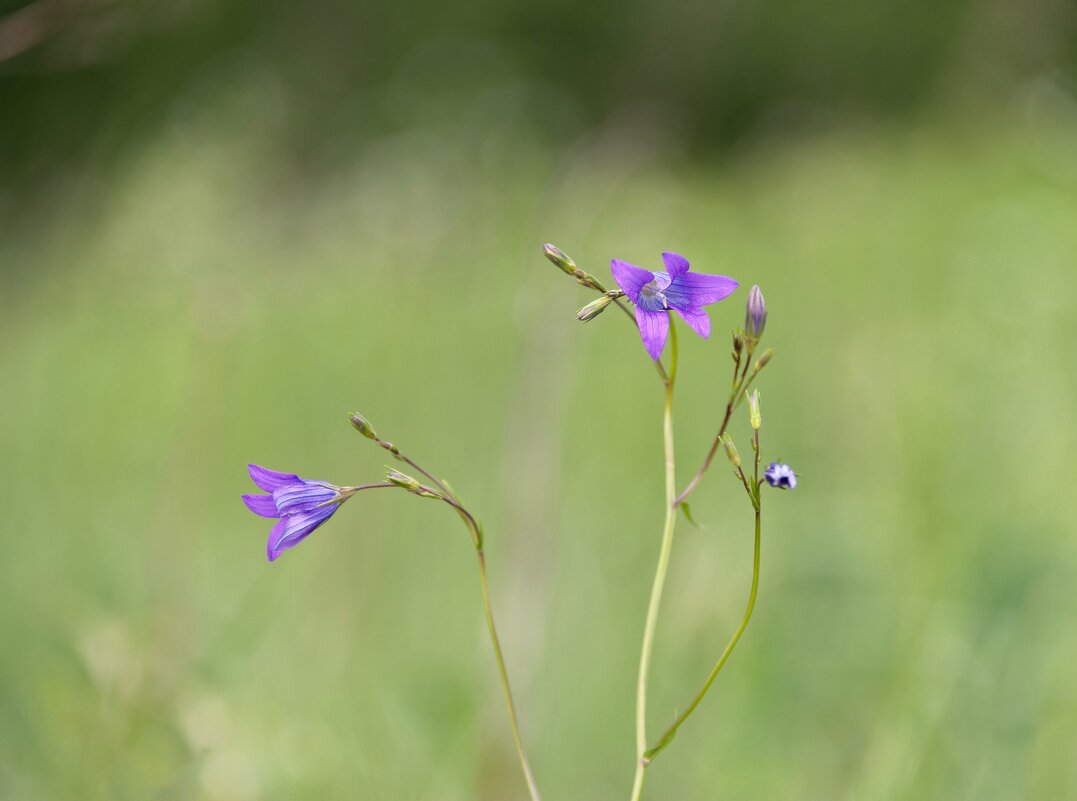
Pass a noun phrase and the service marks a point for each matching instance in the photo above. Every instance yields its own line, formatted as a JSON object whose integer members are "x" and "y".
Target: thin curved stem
{"x": 395, "y": 451}
{"x": 349, "y": 491}
{"x": 669, "y": 734}
{"x": 445, "y": 493}
{"x": 741, "y": 381}
{"x": 657, "y": 587}
{"x": 688, "y": 490}
{"x": 495, "y": 641}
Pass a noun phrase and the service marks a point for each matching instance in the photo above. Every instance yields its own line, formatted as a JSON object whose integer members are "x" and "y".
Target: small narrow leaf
{"x": 688, "y": 514}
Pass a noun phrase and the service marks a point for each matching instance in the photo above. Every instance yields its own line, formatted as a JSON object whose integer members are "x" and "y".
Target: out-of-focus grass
{"x": 914, "y": 633}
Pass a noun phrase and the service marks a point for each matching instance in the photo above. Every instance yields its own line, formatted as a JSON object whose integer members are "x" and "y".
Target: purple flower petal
{"x": 303, "y": 496}
{"x": 275, "y": 537}
{"x": 653, "y": 328}
{"x": 293, "y": 529}
{"x": 261, "y": 505}
{"x": 698, "y": 320}
{"x": 268, "y": 480}
{"x": 629, "y": 278}
{"x": 692, "y": 290}
{"x": 676, "y": 264}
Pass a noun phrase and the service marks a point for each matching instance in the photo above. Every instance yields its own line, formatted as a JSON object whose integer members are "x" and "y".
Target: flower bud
{"x": 594, "y": 308}
{"x": 560, "y": 259}
{"x": 761, "y": 362}
{"x": 754, "y": 416}
{"x": 755, "y": 319}
{"x": 402, "y": 480}
{"x": 731, "y": 450}
{"x": 362, "y": 425}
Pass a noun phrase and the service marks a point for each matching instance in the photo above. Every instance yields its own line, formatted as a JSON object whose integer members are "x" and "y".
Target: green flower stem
{"x": 495, "y": 641}
{"x": 395, "y": 451}
{"x": 688, "y": 490}
{"x": 660, "y": 574}
{"x": 442, "y": 491}
{"x": 669, "y": 734}
{"x": 741, "y": 381}
{"x": 532, "y": 789}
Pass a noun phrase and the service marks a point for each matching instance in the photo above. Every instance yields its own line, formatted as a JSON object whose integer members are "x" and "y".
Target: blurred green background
{"x": 223, "y": 225}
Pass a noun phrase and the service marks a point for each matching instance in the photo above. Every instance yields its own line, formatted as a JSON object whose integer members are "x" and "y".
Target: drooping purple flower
{"x": 300, "y": 504}
{"x": 678, "y": 289}
{"x": 780, "y": 476}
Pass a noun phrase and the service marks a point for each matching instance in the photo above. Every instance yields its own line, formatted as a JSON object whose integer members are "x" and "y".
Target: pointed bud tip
{"x": 755, "y": 318}
{"x": 362, "y": 425}
{"x": 401, "y": 479}
{"x": 754, "y": 416}
{"x": 594, "y": 308}
{"x": 559, "y": 258}
{"x": 731, "y": 450}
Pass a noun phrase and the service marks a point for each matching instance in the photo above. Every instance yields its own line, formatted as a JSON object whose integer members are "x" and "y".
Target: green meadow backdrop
{"x": 226, "y": 225}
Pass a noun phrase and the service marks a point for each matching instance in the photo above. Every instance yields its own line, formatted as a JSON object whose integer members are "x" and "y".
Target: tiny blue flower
{"x": 780, "y": 476}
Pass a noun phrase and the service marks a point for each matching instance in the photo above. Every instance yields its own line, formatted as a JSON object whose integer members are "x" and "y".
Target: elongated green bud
{"x": 731, "y": 450}
{"x": 568, "y": 266}
{"x": 362, "y": 425}
{"x": 560, "y": 259}
{"x": 401, "y": 479}
{"x": 594, "y": 308}
{"x": 761, "y": 362}
{"x": 754, "y": 417}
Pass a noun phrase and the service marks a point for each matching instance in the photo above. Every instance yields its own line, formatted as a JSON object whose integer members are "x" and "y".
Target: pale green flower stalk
{"x": 744, "y": 346}
{"x": 751, "y": 487}
{"x": 442, "y": 491}
{"x": 658, "y": 585}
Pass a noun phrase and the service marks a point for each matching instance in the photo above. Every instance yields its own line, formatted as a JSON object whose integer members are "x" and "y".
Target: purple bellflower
{"x": 301, "y": 505}
{"x": 656, "y": 293}
{"x": 781, "y": 476}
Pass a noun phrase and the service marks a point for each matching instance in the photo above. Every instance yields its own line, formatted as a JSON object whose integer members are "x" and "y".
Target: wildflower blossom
{"x": 300, "y": 504}
{"x": 655, "y": 293}
{"x": 780, "y": 476}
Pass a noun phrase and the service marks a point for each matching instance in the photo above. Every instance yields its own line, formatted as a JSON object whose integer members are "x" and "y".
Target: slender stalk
{"x": 347, "y": 492}
{"x": 395, "y": 451}
{"x": 445, "y": 493}
{"x": 741, "y": 382}
{"x": 660, "y": 574}
{"x": 688, "y": 490}
{"x": 668, "y": 735}
{"x": 495, "y": 641}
